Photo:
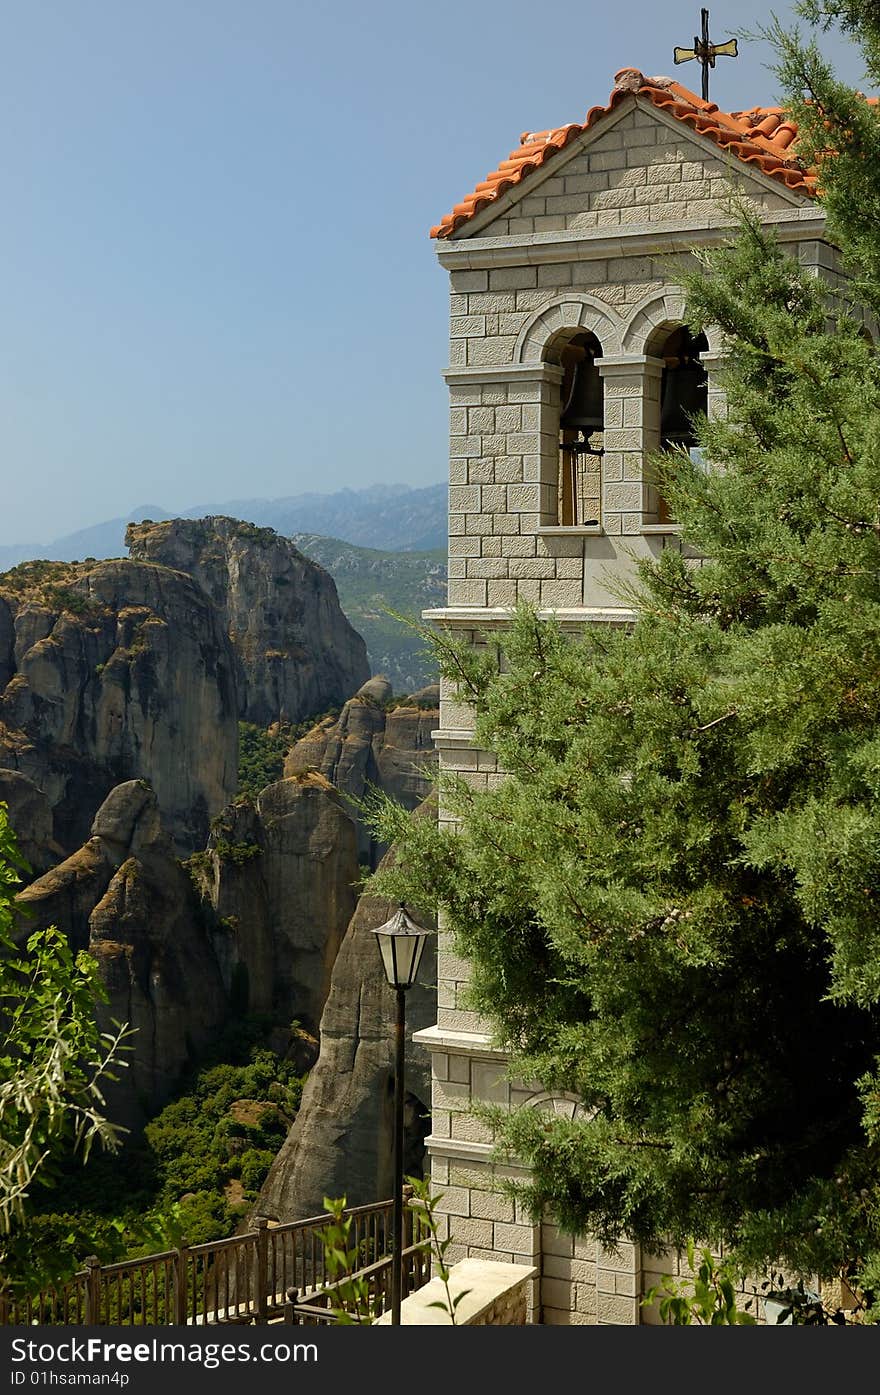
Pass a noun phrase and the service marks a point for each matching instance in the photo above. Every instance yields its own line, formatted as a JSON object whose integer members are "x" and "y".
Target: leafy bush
{"x": 260, "y": 756}
{"x": 255, "y": 1164}
{"x": 205, "y": 1215}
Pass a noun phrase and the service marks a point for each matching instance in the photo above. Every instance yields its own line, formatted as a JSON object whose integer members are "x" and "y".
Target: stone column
{"x": 504, "y": 447}
{"x": 632, "y": 429}
{"x": 717, "y": 398}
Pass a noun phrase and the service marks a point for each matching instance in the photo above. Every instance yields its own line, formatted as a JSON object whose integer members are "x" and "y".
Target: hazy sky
{"x": 216, "y": 276}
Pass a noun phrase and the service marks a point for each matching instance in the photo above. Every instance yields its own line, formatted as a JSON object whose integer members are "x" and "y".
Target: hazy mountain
{"x": 390, "y": 517}
{"x": 101, "y": 540}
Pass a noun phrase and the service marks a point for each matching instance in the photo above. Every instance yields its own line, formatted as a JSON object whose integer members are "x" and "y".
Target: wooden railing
{"x": 246, "y": 1278}
{"x": 324, "y": 1305}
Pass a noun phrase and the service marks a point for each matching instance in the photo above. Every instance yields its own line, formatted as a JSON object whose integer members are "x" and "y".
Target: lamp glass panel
{"x": 423, "y": 940}
{"x": 406, "y": 947}
{"x": 386, "y": 948}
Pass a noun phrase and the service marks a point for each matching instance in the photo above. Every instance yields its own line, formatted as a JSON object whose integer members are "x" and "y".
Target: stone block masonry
{"x": 483, "y": 1292}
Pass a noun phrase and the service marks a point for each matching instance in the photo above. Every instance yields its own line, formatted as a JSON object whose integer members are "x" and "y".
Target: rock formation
{"x": 125, "y": 897}
{"x": 372, "y": 745}
{"x": 340, "y": 1143}
{"x": 297, "y": 652}
{"x": 252, "y": 924}
{"x": 279, "y": 875}
{"x": 30, "y": 814}
{"x": 116, "y": 671}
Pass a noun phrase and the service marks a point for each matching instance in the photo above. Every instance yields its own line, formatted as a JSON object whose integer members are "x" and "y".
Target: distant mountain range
{"x": 390, "y": 517}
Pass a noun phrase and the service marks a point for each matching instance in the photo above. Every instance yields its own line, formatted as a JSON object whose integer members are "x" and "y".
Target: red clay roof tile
{"x": 759, "y": 136}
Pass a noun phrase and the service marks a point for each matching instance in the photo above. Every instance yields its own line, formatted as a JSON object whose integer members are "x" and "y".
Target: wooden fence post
{"x": 291, "y": 1298}
{"x": 93, "y": 1291}
{"x": 181, "y": 1264}
{"x": 261, "y": 1247}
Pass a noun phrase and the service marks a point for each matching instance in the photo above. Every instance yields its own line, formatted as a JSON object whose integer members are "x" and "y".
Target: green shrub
{"x": 236, "y": 853}
{"x": 260, "y": 757}
{"x": 206, "y": 1215}
{"x": 255, "y": 1164}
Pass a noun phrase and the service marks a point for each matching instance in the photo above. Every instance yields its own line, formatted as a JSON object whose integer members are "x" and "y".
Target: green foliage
{"x": 255, "y": 1164}
{"x": 36, "y": 579}
{"x": 708, "y": 1300}
{"x": 351, "y": 1303}
{"x": 52, "y": 584}
{"x": 54, "y": 1064}
{"x": 261, "y": 751}
{"x": 192, "y": 1174}
{"x": 671, "y": 904}
{"x": 225, "y": 1127}
{"x": 428, "y": 1221}
{"x": 205, "y": 1215}
{"x": 261, "y": 755}
{"x": 236, "y": 853}
{"x": 838, "y": 128}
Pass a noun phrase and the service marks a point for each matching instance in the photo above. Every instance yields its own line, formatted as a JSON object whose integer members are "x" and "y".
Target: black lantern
{"x": 401, "y": 942}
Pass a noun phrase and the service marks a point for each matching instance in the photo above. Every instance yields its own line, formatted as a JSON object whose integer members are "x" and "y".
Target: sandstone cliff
{"x": 340, "y": 1143}
{"x": 297, "y": 652}
{"x": 279, "y": 876}
{"x": 30, "y": 814}
{"x": 370, "y": 744}
{"x": 125, "y": 898}
{"x": 252, "y": 924}
{"x": 116, "y": 671}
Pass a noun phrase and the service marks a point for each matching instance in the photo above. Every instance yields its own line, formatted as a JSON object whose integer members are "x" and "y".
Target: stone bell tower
{"x": 568, "y": 366}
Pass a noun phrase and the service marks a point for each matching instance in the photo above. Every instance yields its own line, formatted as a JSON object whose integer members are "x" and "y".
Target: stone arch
{"x": 652, "y": 313}
{"x": 649, "y": 315}
{"x": 575, "y": 311}
{"x": 564, "y": 1106}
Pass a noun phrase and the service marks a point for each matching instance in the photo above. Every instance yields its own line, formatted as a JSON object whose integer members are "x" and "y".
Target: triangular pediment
{"x": 637, "y": 166}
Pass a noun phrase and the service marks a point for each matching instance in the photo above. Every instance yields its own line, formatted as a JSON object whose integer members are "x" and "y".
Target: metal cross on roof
{"x": 705, "y": 52}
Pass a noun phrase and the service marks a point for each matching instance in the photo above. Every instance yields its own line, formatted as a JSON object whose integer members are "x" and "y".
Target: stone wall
{"x": 484, "y": 1293}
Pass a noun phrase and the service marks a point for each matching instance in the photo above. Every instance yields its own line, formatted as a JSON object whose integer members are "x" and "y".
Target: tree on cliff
{"x": 672, "y": 905}
{"x": 54, "y": 1061}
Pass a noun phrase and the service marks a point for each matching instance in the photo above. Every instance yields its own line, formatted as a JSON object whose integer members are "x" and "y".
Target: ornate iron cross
{"x": 705, "y": 52}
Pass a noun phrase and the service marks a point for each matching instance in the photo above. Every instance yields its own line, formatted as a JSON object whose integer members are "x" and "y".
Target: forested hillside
{"x": 370, "y": 583}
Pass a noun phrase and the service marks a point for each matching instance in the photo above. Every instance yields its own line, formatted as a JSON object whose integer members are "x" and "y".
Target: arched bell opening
{"x": 684, "y": 395}
{"x": 581, "y": 429}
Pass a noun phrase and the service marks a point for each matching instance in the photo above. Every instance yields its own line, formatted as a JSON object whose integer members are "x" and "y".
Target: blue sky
{"x": 217, "y": 279}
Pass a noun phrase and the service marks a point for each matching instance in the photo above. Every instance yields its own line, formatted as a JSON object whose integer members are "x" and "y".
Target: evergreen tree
{"x": 672, "y": 903}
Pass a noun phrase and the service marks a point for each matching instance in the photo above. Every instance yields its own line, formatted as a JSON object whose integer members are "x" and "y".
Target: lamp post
{"x": 401, "y": 942}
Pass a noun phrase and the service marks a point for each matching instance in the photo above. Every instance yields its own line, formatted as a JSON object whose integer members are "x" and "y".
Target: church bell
{"x": 684, "y": 397}
{"x": 582, "y": 410}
